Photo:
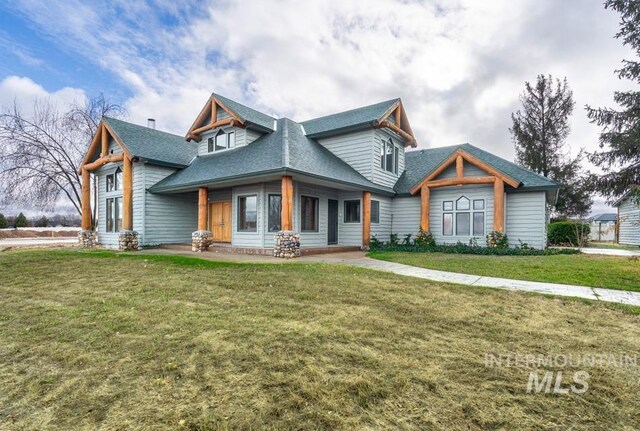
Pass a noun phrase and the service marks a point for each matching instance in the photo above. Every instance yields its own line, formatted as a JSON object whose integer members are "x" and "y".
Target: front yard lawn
{"x": 612, "y": 272}
{"x": 98, "y": 340}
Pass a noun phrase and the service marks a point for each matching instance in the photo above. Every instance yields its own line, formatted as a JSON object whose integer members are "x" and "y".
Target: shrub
{"x": 568, "y": 233}
{"x": 375, "y": 243}
{"x": 407, "y": 239}
{"x": 425, "y": 239}
{"x": 3, "y": 222}
{"x": 20, "y": 221}
{"x": 393, "y": 239}
{"x": 497, "y": 240}
{"x": 461, "y": 248}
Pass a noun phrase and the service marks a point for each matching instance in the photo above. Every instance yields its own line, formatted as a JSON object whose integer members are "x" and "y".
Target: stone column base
{"x": 201, "y": 240}
{"x": 87, "y": 238}
{"x": 128, "y": 240}
{"x": 286, "y": 245}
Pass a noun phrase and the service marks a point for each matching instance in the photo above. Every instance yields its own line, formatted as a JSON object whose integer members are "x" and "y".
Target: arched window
{"x": 221, "y": 141}
{"x": 459, "y": 219}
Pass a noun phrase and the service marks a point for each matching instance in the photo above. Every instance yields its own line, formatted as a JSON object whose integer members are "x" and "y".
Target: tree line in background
{"x": 64, "y": 220}
{"x": 539, "y": 132}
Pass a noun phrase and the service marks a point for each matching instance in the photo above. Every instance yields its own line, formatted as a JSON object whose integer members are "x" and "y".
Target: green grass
{"x": 99, "y": 340}
{"x": 612, "y": 272}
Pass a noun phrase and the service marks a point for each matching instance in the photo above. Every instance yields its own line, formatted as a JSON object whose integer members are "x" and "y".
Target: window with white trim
{"x": 389, "y": 156}
{"x": 463, "y": 217}
{"x": 221, "y": 141}
{"x": 375, "y": 212}
{"x": 114, "y": 180}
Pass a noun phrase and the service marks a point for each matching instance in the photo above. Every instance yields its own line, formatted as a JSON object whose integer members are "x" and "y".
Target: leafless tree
{"x": 41, "y": 151}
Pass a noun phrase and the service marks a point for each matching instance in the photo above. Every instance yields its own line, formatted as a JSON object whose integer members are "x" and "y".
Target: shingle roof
{"x": 419, "y": 164}
{"x": 248, "y": 114}
{"x": 606, "y": 217}
{"x": 347, "y": 120}
{"x": 154, "y": 145}
{"x": 286, "y": 149}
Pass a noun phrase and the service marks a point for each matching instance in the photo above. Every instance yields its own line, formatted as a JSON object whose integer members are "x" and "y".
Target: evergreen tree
{"x": 619, "y": 157}
{"x": 3, "y": 222}
{"x": 539, "y": 132}
{"x": 42, "y": 222}
{"x": 20, "y": 221}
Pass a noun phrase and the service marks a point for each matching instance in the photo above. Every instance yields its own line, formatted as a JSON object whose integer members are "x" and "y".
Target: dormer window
{"x": 389, "y": 155}
{"x": 221, "y": 141}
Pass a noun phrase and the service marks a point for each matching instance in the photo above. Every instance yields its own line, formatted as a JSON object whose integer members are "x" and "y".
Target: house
{"x": 628, "y": 218}
{"x": 244, "y": 178}
{"x": 603, "y": 227}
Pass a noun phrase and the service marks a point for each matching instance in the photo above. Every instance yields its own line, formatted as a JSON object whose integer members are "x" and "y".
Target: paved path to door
{"x": 359, "y": 259}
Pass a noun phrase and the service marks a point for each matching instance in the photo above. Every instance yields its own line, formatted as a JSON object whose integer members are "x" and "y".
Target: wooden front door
{"x": 220, "y": 221}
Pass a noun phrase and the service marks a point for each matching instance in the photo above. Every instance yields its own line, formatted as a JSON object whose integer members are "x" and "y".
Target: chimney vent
{"x": 151, "y": 123}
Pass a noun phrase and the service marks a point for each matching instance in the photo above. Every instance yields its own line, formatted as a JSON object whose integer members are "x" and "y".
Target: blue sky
{"x": 459, "y": 66}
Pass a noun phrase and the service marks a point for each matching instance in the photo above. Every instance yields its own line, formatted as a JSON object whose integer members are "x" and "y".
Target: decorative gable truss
{"x": 214, "y": 114}
{"x": 101, "y": 142}
{"x": 396, "y": 120}
{"x": 459, "y": 157}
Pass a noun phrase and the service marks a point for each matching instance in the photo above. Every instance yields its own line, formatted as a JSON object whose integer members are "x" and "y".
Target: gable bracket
{"x": 210, "y": 110}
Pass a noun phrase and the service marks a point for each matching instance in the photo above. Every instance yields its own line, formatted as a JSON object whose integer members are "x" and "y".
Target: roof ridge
{"x": 141, "y": 126}
{"x": 351, "y": 110}
{"x": 213, "y": 93}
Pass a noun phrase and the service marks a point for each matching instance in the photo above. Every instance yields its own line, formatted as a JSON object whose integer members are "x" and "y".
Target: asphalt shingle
{"x": 347, "y": 120}
{"x": 248, "y": 114}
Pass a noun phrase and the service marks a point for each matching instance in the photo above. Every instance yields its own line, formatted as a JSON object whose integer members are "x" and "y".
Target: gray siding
{"x": 356, "y": 149}
{"x": 381, "y": 176}
{"x": 349, "y": 234}
{"x": 248, "y": 239}
{"x": 138, "y": 200}
{"x": 525, "y": 215}
{"x": 526, "y": 218}
{"x": 168, "y": 218}
{"x": 382, "y": 230}
{"x": 629, "y": 216}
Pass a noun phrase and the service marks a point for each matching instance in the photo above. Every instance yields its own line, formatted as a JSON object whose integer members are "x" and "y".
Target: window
{"x": 447, "y": 224}
{"x": 375, "y": 212}
{"x": 462, "y": 224}
{"x": 275, "y": 207}
{"x": 463, "y": 220}
{"x": 478, "y": 224}
{"x": 462, "y": 204}
{"x": 247, "y": 213}
{"x": 389, "y": 156}
{"x": 382, "y": 147}
{"x": 309, "y": 214}
{"x": 222, "y": 141}
{"x": 352, "y": 211}
{"x": 396, "y": 157}
{"x": 114, "y": 180}
{"x": 114, "y": 215}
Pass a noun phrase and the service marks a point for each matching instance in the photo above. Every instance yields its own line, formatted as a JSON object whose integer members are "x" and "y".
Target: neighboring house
{"x": 242, "y": 177}
{"x": 603, "y": 227}
{"x": 628, "y": 219}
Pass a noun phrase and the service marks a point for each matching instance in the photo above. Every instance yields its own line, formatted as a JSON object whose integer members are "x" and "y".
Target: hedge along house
{"x": 244, "y": 179}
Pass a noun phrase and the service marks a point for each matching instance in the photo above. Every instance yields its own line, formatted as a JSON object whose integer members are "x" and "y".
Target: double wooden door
{"x": 220, "y": 221}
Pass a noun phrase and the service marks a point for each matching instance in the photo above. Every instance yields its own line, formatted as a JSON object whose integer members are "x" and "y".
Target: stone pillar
{"x": 200, "y": 240}
{"x": 286, "y": 245}
{"x": 128, "y": 240}
{"x": 87, "y": 238}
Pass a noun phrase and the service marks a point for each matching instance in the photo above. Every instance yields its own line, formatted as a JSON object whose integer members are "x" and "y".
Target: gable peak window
{"x": 222, "y": 140}
{"x": 389, "y": 156}
{"x": 114, "y": 180}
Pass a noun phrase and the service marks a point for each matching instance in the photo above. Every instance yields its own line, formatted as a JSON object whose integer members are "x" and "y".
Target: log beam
{"x": 203, "y": 203}
{"x": 225, "y": 122}
{"x": 389, "y": 125}
{"x": 286, "y": 211}
{"x": 399, "y": 116}
{"x": 127, "y": 194}
{"x": 214, "y": 111}
{"x": 111, "y": 158}
{"x": 86, "y": 200}
{"x": 459, "y": 166}
{"x": 366, "y": 218}
{"x": 105, "y": 140}
{"x": 498, "y": 205}
{"x": 425, "y": 196}
{"x": 460, "y": 181}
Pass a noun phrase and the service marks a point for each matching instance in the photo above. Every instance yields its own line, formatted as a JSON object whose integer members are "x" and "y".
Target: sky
{"x": 459, "y": 66}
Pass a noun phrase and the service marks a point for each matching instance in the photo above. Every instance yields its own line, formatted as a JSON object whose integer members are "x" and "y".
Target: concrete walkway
{"x": 360, "y": 260}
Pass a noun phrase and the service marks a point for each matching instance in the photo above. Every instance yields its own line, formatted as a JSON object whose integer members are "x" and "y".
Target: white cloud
{"x": 25, "y": 92}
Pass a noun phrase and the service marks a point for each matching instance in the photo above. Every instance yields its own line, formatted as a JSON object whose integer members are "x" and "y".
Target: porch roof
{"x": 286, "y": 150}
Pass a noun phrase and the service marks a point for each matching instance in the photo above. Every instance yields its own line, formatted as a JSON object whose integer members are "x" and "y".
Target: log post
{"x": 459, "y": 167}
{"x": 286, "y": 214}
{"x": 425, "y": 197}
{"x": 86, "y": 200}
{"x": 498, "y": 205}
{"x": 105, "y": 140}
{"x": 127, "y": 194}
{"x": 366, "y": 218}
{"x": 203, "y": 198}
